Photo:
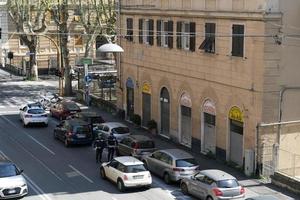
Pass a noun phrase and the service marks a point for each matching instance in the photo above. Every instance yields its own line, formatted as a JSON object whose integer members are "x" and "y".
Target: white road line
{"x": 29, "y": 135}
{"x": 81, "y": 174}
{"x": 30, "y": 182}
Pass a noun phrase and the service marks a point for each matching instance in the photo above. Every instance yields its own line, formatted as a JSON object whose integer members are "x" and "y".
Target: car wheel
{"x": 102, "y": 173}
{"x": 120, "y": 185}
{"x": 167, "y": 178}
{"x": 148, "y": 186}
{"x": 24, "y": 125}
{"x": 66, "y": 143}
{"x": 184, "y": 188}
{"x": 46, "y": 124}
{"x": 209, "y": 198}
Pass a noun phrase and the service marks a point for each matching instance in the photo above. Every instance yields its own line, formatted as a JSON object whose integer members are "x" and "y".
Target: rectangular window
{"x": 186, "y": 35}
{"x": 208, "y": 44}
{"x": 165, "y": 33}
{"x": 78, "y": 40}
{"x": 146, "y": 31}
{"x": 129, "y": 34}
{"x": 238, "y": 32}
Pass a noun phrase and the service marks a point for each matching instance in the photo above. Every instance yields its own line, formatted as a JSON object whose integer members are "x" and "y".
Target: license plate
{"x": 73, "y": 112}
{"x": 138, "y": 177}
{"x": 81, "y": 135}
{"x": 12, "y": 191}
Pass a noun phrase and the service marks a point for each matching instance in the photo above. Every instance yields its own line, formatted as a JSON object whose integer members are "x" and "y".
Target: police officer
{"x": 112, "y": 144}
{"x": 99, "y": 145}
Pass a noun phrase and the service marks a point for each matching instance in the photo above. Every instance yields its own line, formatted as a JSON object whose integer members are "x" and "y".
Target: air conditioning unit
{"x": 249, "y": 162}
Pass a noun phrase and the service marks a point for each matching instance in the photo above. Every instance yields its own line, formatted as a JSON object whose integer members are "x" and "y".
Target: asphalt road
{"x": 56, "y": 172}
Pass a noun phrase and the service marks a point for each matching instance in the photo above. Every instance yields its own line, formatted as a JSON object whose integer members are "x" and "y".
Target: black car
{"x": 136, "y": 145}
{"x": 93, "y": 118}
{"x": 74, "y": 131}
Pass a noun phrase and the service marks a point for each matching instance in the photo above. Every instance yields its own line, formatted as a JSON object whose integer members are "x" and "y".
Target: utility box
{"x": 249, "y": 162}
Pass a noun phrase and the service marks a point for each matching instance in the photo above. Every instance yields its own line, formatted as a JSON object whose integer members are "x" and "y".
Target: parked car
{"x": 93, "y": 118}
{"x": 73, "y": 131}
{"x": 12, "y": 182}
{"x": 63, "y": 109}
{"x": 119, "y": 130}
{"x": 33, "y": 114}
{"x": 171, "y": 164}
{"x": 213, "y": 184}
{"x": 136, "y": 145}
{"x": 263, "y": 197}
{"x": 126, "y": 172}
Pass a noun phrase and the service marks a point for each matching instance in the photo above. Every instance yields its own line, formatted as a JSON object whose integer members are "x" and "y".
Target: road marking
{"x": 31, "y": 183}
{"x": 29, "y": 135}
{"x": 81, "y": 174}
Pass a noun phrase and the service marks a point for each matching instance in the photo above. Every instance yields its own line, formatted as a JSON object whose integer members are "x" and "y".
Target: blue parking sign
{"x": 88, "y": 79}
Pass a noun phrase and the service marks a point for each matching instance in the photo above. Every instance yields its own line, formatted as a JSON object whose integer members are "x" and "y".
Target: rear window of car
{"x": 135, "y": 168}
{"x": 230, "y": 183}
{"x": 188, "y": 162}
{"x": 146, "y": 144}
{"x": 81, "y": 129}
{"x": 36, "y": 111}
{"x": 8, "y": 170}
{"x": 71, "y": 106}
{"x": 120, "y": 130}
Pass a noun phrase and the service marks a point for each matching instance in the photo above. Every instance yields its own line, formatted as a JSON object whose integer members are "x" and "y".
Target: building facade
{"x": 210, "y": 71}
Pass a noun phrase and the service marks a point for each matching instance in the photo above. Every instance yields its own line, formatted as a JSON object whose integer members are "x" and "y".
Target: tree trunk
{"x": 33, "y": 59}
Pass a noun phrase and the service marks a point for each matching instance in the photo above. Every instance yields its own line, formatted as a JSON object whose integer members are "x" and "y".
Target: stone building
{"x": 210, "y": 71}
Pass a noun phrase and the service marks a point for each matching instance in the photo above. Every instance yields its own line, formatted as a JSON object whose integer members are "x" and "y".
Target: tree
{"x": 29, "y": 17}
{"x": 98, "y": 17}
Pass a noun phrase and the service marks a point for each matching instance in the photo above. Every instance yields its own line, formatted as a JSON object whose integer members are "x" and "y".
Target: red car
{"x": 64, "y": 109}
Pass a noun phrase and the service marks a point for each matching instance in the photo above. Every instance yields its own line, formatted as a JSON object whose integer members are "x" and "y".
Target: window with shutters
{"x": 129, "y": 34}
{"x": 164, "y": 35}
{"x": 186, "y": 35}
{"x": 146, "y": 31}
{"x": 208, "y": 44}
{"x": 238, "y": 32}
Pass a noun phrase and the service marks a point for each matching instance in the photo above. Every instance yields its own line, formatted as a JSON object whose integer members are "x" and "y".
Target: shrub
{"x": 136, "y": 119}
{"x": 152, "y": 124}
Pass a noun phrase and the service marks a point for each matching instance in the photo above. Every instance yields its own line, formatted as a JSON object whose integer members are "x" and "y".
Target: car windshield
{"x": 8, "y": 170}
{"x": 135, "y": 168}
{"x": 120, "y": 130}
{"x": 71, "y": 106}
{"x": 188, "y": 162}
{"x": 81, "y": 129}
{"x": 230, "y": 183}
{"x": 36, "y": 111}
{"x": 146, "y": 144}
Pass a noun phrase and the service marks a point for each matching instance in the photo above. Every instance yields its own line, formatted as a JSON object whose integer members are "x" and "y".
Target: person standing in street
{"x": 99, "y": 145}
{"x": 112, "y": 144}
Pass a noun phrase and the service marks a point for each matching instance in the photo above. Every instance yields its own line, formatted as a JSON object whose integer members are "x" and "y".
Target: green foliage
{"x": 136, "y": 119}
{"x": 152, "y": 124}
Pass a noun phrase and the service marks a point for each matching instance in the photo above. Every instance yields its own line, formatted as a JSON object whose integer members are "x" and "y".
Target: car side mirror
{"x": 21, "y": 109}
{"x": 193, "y": 178}
{"x": 21, "y": 171}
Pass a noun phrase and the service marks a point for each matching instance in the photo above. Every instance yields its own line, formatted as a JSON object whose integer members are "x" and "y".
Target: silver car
{"x": 213, "y": 185}
{"x": 119, "y": 130}
{"x": 171, "y": 164}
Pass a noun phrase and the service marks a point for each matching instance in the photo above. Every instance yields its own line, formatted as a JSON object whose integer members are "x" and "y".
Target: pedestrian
{"x": 112, "y": 144}
{"x": 99, "y": 145}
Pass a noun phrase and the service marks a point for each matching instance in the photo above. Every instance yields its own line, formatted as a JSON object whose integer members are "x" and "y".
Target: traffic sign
{"x": 88, "y": 79}
{"x": 87, "y": 61}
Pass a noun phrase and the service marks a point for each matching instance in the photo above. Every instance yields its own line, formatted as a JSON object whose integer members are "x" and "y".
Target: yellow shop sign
{"x": 236, "y": 114}
{"x": 146, "y": 88}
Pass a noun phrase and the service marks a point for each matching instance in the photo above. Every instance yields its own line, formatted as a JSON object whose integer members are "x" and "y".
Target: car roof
{"x": 76, "y": 121}
{"x": 177, "y": 153}
{"x": 140, "y": 137}
{"x": 34, "y": 105}
{"x": 217, "y": 175}
{"x": 263, "y": 197}
{"x": 89, "y": 114}
{"x": 128, "y": 160}
{"x": 114, "y": 124}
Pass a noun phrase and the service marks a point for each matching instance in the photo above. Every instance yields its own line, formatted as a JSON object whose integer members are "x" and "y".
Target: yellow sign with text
{"x": 147, "y": 88}
{"x": 236, "y": 114}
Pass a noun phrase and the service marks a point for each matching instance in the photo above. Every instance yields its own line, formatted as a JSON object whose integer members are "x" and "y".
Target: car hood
{"x": 13, "y": 181}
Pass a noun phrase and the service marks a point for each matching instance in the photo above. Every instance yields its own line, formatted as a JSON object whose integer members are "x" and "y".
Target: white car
{"x": 127, "y": 172}
{"x": 12, "y": 183}
{"x": 33, "y": 114}
{"x": 119, "y": 130}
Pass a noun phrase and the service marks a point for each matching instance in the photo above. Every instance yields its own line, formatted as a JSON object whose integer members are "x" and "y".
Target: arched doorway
{"x": 236, "y": 135}
{"x": 208, "y": 136}
{"x": 146, "y": 104}
{"x": 129, "y": 98}
{"x": 100, "y": 40}
{"x": 164, "y": 112}
{"x": 186, "y": 120}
